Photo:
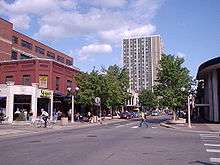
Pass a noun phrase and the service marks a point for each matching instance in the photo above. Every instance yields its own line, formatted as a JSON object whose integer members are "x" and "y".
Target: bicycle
{"x": 40, "y": 123}
{"x": 143, "y": 123}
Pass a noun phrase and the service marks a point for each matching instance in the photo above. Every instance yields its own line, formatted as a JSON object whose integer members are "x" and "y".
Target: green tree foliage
{"x": 173, "y": 82}
{"x": 148, "y": 98}
{"x": 110, "y": 85}
{"x": 117, "y": 83}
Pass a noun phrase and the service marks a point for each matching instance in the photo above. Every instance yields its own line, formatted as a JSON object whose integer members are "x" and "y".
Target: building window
{"x": 60, "y": 59}
{"x": 39, "y": 50}
{"x": 14, "y": 39}
{"x": 26, "y": 44}
{"x": 9, "y": 78}
{"x": 23, "y": 56}
{"x": 57, "y": 83}
{"x": 69, "y": 62}
{"x": 50, "y": 55}
{"x": 14, "y": 55}
{"x": 26, "y": 80}
{"x": 43, "y": 80}
{"x": 69, "y": 84}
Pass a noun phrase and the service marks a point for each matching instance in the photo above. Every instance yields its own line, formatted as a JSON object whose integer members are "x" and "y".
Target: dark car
{"x": 125, "y": 115}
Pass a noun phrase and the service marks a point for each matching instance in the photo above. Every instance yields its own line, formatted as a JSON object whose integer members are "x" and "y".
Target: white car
{"x": 155, "y": 113}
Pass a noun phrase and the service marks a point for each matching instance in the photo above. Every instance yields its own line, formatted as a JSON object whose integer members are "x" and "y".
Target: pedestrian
{"x": 44, "y": 116}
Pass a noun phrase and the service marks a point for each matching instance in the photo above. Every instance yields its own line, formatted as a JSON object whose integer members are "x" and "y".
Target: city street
{"x": 116, "y": 143}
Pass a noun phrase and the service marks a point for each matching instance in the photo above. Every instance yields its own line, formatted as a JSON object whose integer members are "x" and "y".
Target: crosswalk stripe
{"x": 129, "y": 124}
{"x": 212, "y": 145}
{"x": 134, "y": 127}
{"x": 119, "y": 126}
{"x": 214, "y": 160}
{"x": 213, "y": 150}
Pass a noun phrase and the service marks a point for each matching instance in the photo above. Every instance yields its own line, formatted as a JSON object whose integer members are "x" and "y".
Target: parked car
{"x": 125, "y": 115}
{"x": 134, "y": 114}
{"x": 154, "y": 113}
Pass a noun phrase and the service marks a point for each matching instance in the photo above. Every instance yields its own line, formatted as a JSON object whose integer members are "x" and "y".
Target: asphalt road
{"x": 115, "y": 144}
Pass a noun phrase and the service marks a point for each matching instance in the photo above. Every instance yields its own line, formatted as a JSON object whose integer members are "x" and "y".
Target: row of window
{"x": 40, "y": 51}
{"x": 43, "y": 81}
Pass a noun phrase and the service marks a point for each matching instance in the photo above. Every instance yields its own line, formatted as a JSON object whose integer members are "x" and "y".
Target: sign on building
{"x": 43, "y": 81}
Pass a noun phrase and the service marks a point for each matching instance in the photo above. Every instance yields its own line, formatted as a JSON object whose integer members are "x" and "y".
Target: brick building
{"x": 28, "y": 64}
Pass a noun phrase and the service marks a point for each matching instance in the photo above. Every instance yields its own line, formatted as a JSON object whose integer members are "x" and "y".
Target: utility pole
{"x": 189, "y": 119}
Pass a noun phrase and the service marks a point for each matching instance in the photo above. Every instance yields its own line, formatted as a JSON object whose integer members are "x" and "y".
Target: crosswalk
{"x": 132, "y": 125}
{"x": 211, "y": 142}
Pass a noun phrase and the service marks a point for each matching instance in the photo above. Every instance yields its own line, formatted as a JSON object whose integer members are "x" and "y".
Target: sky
{"x": 91, "y": 31}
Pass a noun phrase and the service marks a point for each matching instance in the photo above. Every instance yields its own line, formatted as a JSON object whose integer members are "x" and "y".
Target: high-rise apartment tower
{"x": 141, "y": 58}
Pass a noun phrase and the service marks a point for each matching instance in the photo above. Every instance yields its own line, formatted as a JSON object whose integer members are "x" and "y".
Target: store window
{"x": 57, "y": 83}
{"x": 69, "y": 84}
{"x": 9, "y": 78}
{"x": 43, "y": 81}
{"x": 14, "y": 55}
{"x": 26, "y": 80}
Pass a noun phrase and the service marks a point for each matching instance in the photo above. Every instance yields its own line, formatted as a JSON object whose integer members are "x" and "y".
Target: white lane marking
{"x": 212, "y": 145}
{"x": 214, "y": 160}
{"x": 119, "y": 126}
{"x": 134, "y": 127}
{"x": 213, "y": 150}
{"x": 206, "y": 135}
{"x": 129, "y": 124}
{"x": 153, "y": 127}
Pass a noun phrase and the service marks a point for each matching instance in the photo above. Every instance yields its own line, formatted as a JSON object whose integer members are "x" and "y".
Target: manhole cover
{"x": 91, "y": 136}
{"x": 145, "y": 153}
{"x": 147, "y": 137}
{"x": 35, "y": 141}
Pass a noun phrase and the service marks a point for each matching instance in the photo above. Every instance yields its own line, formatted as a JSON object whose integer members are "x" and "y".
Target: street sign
{"x": 97, "y": 100}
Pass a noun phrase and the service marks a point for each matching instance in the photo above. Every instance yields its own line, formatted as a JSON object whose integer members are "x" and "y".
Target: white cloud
{"x": 82, "y": 17}
{"x": 94, "y": 49}
{"x": 108, "y": 3}
{"x": 21, "y": 21}
{"x": 181, "y": 55}
{"x": 126, "y": 32}
{"x": 20, "y": 10}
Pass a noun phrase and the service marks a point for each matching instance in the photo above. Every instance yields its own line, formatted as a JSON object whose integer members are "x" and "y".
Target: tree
{"x": 90, "y": 85}
{"x": 148, "y": 98}
{"x": 110, "y": 85}
{"x": 173, "y": 82}
{"x": 116, "y": 85}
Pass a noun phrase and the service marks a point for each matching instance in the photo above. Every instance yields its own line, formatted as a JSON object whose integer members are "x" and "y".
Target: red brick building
{"x": 26, "y": 61}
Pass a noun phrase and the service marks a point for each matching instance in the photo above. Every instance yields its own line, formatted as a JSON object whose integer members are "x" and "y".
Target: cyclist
{"x": 44, "y": 116}
{"x": 143, "y": 119}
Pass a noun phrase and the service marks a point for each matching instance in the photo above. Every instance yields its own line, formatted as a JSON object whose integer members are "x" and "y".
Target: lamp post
{"x": 72, "y": 98}
{"x": 188, "y": 107}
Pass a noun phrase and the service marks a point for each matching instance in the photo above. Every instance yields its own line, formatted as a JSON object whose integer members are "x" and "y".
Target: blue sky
{"x": 91, "y": 30}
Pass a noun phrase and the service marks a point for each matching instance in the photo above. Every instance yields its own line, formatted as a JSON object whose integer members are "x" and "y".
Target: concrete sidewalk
{"x": 20, "y": 129}
{"x": 196, "y": 127}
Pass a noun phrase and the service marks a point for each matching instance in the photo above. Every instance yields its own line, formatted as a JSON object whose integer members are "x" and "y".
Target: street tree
{"x": 148, "y": 99}
{"x": 116, "y": 85}
{"x": 173, "y": 83}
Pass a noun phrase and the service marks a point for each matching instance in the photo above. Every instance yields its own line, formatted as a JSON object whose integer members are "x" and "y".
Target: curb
{"x": 187, "y": 130}
{"x": 53, "y": 130}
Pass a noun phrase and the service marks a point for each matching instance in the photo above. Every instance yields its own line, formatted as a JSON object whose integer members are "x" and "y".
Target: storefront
{"x": 19, "y": 101}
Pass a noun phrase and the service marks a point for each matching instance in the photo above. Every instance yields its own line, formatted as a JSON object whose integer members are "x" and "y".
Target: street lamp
{"x": 72, "y": 96}
{"x": 188, "y": 107}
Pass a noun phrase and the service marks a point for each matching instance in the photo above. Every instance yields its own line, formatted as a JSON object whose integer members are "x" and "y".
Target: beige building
{"x": 141, "y": 58}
